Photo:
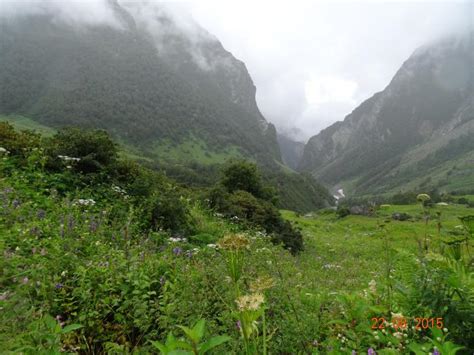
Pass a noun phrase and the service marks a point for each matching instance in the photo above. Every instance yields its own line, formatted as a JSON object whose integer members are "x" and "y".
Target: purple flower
{"x": 41, "y": 214}
{"x": 436, "y": 352}
{"x": 8, "y": 190}
{"x": 177, "y": 251}
{"x": 93, "y": 226}
{"x": 35, "y": 231}
{"x": 70, "y": 223}
{"x": 58, "y": 286}
{"x": 16, "y": 203}
{"x": 189, "y": 253}
{"x": 238, "y": 325}
{"x": 371, "y": 352}
{"x": 354, "y": 352}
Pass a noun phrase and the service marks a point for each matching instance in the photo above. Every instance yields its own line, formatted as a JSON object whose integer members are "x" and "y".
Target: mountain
{"x": 148, "y": 80}
{"x": 165, "y": 88}
{"x": 416, "y": 133}
{"x": 291, "y": 150}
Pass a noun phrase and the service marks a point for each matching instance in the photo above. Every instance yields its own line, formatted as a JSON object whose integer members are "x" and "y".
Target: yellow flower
{"x": 261, "y": 283}
{"x": 233, "y": 242}
{"x": 250, "y": 302}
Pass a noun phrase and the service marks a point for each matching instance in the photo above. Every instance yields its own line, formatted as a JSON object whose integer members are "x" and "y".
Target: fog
{"x": 312, "y": 62}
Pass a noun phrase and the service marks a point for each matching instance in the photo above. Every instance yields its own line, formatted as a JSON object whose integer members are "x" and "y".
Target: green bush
{"x": 91, "y": 151}
{"x": 248, "y": 208}
{"x": 17, "y": 143}
{"x": 167, "y": 210}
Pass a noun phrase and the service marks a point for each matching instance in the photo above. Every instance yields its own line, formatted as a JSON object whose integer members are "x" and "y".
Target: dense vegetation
{"x": 103, "y": 255}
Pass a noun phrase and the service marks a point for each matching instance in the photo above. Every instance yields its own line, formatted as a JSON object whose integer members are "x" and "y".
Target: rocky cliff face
{"x": 429, "y": 99}
{"x": 145, "y": 78}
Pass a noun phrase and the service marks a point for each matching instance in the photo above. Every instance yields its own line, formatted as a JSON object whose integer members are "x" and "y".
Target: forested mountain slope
{"x": 145, "y": 79}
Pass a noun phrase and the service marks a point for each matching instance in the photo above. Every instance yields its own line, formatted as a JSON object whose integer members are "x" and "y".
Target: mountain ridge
{"x": 124, "y": 80}
{"x": 429, "y": 96}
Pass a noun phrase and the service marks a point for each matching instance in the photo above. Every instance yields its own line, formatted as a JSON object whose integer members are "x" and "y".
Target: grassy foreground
{"x": 108, "y": 263}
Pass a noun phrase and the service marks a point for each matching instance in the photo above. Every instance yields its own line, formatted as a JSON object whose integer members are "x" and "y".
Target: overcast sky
{"x": 314, "y": 62}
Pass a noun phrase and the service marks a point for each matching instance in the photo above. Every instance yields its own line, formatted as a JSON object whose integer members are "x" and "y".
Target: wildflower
{"x": 84, "y": 202}
{"x": 16, "y": 203}
{"x": 43, "y": 252}
{"x": 423, "y": 197}
{"x": 250, "y": 302}
{"x": 59, "y": 319}
{"x": 238, "y": 325}
{"x": 445, "y": 330}
{"x": 438, "y": 338}
{"x": 436, "y": 352}
{"x": 25, "y": 280}
{"x": 371, "y": 352}
{"x": 353, "y": 352}
{"x": 177, "y": 251}
{"x": 41, "y": 214}
{"x": 58, "y": 286}
{"x": 233, "y": 242}
{"x": 162, "y": 280}
{"x": 376, "y": 337}
{"x": 3, "y": 150}
{"x": 315, "y": 343}
{"x": 261, "y": 283}
{"x": 373, "y": 286}
{"x": 212, "y": 246}
{"x": 66, "y": 158}
{"x": 177, "y": 239}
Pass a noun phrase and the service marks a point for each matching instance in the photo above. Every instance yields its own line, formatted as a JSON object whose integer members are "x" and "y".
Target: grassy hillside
{"x": 193, "y": 150}
{"x": 26, "y": 123}
{"x": 114, "y": 260}
{"x": 194, "y": 164}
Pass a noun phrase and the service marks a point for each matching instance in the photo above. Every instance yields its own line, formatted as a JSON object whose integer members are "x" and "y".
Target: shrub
{"x": 167, "y": 210}
{"x": 17, "y": 142}
{"x": 94, "y": 150}
{"x": 244, "y": 176}
{"x": 343, "y": 212}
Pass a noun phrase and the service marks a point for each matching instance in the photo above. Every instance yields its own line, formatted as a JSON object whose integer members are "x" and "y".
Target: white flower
{"x": 3, "y": 151}
{"x": 84, "y": 202}
{"x": 373, "y": 286}
{"x": 66, "y": 158}
{"x": 177, "y": 240}
{"x": 213, "y": 246}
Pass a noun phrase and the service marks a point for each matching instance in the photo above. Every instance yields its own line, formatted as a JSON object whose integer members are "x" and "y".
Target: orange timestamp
{"x": 402, "y": 323}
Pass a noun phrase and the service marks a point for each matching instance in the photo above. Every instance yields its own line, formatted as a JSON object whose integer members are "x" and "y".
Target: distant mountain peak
{"x": 429, "y": 96}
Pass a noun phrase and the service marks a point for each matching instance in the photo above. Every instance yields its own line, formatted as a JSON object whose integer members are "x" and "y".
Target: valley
{"x": 149, "y": 206}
